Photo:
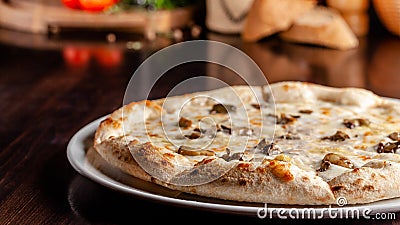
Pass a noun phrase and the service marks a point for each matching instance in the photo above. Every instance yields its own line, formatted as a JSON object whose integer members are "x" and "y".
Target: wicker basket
{"x": 388, "y": 12}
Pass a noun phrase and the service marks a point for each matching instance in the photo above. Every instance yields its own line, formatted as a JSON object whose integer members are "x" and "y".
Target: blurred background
{"x": 112, "y": 37}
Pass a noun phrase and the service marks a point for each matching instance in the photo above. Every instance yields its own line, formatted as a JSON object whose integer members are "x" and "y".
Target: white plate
{"x": 98, "y": 170}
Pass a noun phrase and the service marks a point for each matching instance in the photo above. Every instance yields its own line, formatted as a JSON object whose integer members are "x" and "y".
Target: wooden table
{"x": 52, "y": 87}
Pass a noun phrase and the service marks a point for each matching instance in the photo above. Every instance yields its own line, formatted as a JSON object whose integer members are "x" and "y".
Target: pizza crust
{"x": 269, "y": 181}
{"x": 243, "y": 182}
{"x": 366, "y": 184}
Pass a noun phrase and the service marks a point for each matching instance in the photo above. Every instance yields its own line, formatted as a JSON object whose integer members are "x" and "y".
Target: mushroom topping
{"x": 268, "y": 149}
{"x": 337, "y": 159}
{"x": 256, "y": 106}
{"x": 194, "y": 135}
{"x": 223, "y": 109}
{"x": 188, "y": 151}
{"x": 306, "y": 111}
{"x": 284, "y": 119}
{"x": 395, "y": 136}
{"x": 185, "y": 123}
{"x": 324, "y": 166}
{"x": 225, "y": 129}
{"x": 376, "y": 164}
{"x": 353, "y": 123}
{"x": 389, "y": 147}
{"x": 235, "y": 156}
{"x": 199, "y": 130}
{"x": 338, "y": 136}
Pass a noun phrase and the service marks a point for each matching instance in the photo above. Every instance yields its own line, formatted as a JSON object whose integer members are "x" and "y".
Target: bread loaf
{"x": 267, "y": 17}
{"x": 322, "y": 26}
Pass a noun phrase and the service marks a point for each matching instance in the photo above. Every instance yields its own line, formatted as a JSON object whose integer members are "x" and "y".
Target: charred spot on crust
{"x": 110, "y": 122}
{"x": 281, "y": 171}
{"x": 169, "y": 155}
{"x": 368, "y": 188}
{"x": 337, "y": 188}
{"x": 224, "y": 180}
{"x": 242, "y": 182}
{"x": 243, "y": 165}
{"x": 358, "y": 181}
{"x": 204, "y": 161}
{"x": 123, "y": 155}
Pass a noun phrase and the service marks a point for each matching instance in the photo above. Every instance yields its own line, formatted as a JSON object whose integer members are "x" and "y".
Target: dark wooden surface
{"x": 44, "y": 100}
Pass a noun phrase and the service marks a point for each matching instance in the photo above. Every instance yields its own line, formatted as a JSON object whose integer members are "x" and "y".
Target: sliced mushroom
{"x": 194, "y": 135}
{"x": 235, "y": 156}
{"x": 395, "y": 136}
{"x": 268, "y": 149}
{"x": 184, "y": 123}
{"x": 188, "y": 151}
{"x": 324, "y": 166}
{"x": 286, "y": 119}
{"x": 225, "y": 129}
{"x": 256, "y": 106}
{"x": 305, "y": 111}
{"x": 338, "y": 136}
{"x": 353, "y": 123}
{"x": 375, "y": 164}
{"x": 222, "y": 109}
{"x": 338, "y": 159}
{"x": 388, "y": 147}
{"x": 200, "y": 130}
{"x": 272, "y": 115}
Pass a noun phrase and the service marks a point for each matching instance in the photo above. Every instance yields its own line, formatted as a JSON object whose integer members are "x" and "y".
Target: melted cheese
{"x": 306, "y": 152}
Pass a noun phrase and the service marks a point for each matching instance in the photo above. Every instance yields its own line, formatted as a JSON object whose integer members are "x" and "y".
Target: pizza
{"x": 285, "y": 143}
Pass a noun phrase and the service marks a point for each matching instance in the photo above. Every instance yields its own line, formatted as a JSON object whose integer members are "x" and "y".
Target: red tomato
{"x": 76, "y": 57}
{"x": 96, "y": 5}
{"x": 73, "y": 4}
{"x": 108, "y": 57}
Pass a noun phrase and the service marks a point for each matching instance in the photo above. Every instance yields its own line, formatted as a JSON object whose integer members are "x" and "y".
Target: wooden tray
{"x": 44, "y": 16}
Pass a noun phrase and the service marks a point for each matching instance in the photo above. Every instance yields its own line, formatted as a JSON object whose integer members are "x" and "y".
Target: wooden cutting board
{"x": 44, "y": 16}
